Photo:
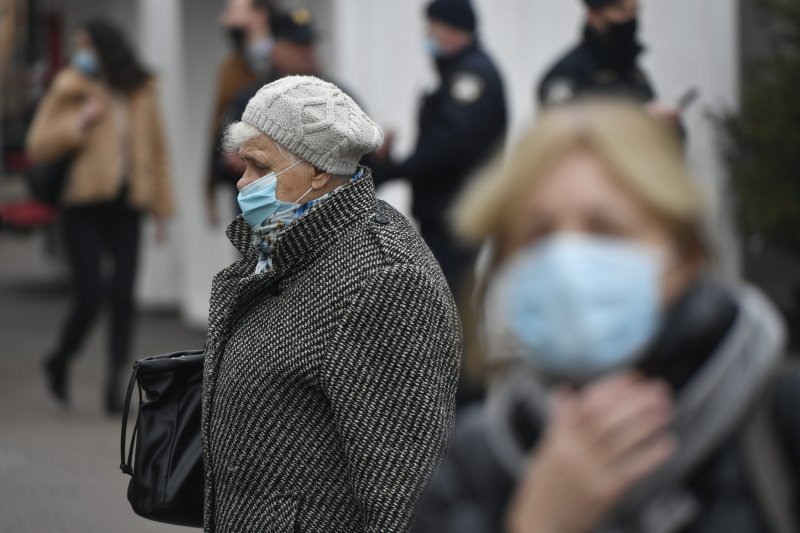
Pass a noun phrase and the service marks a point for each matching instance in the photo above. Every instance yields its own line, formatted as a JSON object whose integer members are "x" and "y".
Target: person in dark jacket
{"x": 247, "y": 24}
{"x": 606, "y": 62}
{"x": 334, "y": 343}
{"x": 293, "y": 53}
{"x": 633, "y": 391}
{"x": 461, "y": 125}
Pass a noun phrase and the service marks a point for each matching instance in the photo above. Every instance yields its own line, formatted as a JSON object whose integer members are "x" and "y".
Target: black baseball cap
{"x": 295, "y": 25}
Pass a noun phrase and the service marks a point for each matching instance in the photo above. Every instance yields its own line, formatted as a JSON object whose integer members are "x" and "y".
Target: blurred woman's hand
{"x": 91, "y": 111}
{"x": 599, "y": 443}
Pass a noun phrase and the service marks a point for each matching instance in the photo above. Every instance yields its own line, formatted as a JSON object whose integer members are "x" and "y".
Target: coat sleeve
{"x": 54, "y": 131}
{"x": 391, "y": 378}
{"x": 470, "y": 491}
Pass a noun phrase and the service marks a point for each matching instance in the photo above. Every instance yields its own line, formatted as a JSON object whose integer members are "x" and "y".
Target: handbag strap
{"x": 127, "y": 467}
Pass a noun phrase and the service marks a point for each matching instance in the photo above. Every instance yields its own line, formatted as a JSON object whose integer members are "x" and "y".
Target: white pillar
{"x": 160, "y": 45}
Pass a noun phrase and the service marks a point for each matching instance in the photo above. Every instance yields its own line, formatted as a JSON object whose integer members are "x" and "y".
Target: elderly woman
{"x": 629, "y": 387}
{"x": 334, "y": 344}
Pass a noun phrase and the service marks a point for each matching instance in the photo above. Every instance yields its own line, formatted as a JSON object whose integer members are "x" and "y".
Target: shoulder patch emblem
{"x": 559, "y": 91}
{"x": 467, "y": 88}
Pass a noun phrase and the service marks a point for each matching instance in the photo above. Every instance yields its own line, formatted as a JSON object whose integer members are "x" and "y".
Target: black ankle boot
{"x": 55, "y": 370}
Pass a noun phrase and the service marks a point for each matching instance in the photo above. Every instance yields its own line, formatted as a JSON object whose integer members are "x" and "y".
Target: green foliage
{"x": 764, "y": 138}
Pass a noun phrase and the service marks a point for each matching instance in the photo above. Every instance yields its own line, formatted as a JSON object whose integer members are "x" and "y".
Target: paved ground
{"x": 59, "y": 468}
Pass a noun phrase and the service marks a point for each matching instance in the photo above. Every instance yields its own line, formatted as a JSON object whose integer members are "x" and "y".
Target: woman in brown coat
{"x": 102, "y": 111}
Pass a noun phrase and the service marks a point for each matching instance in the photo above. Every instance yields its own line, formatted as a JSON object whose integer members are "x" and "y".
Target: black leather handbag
{"x": 46, "y": 181}
{"x": 164, "y": 458}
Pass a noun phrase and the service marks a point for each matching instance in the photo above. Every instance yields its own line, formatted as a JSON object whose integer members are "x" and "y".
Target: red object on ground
{"x": 27, "y": 215}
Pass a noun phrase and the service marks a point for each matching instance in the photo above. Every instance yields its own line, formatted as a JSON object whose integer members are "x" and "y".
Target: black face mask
{"x": 621, "y": 40}
{"x": 236, "y": 36}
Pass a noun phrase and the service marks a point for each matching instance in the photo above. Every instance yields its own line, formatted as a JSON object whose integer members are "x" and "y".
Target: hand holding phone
{"x": 687, "y": 99}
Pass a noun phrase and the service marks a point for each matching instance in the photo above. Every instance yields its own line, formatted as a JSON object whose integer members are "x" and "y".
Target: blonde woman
{"x": 628, "y": 379}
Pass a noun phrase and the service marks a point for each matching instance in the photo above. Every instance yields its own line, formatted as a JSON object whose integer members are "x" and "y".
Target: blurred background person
{"x": 629, "y": 389}
{"x": 461, "y": 124}
{"x": 293, "y": 52}
{"x": 605, "y": 62}
{"x": 102, "y": 112}
{"x": 247, "y": 24}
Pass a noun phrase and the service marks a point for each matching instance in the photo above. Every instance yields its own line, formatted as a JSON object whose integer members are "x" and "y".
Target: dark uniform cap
{"x": 456, "y": 13}
{"x": 599, "y": 3}
{"x": 294, "y": 25}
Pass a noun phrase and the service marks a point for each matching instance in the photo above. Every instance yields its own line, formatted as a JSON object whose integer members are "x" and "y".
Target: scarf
{"x": 268, "y": 232}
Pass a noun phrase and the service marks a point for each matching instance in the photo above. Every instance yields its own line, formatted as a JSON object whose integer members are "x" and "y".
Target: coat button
{"x": 382, "y": 219}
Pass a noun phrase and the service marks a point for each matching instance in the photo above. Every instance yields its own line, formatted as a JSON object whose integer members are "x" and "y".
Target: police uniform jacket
{"x": 461, "y": 124}
{"x": 330, "y": 379}
{"x": 592, "y": 69}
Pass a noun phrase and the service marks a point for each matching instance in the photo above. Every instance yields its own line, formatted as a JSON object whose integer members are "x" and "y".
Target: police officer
{"x": 605, "y": 62}
{"x": 461, "y": 124}
{"x": 292, "y": 52}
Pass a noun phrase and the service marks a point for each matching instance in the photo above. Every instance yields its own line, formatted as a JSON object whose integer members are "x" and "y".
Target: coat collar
{"x": 301, "y": 242}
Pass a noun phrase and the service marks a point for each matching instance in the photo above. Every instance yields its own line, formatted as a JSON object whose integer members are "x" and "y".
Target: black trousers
{"x": 96, "y": 236}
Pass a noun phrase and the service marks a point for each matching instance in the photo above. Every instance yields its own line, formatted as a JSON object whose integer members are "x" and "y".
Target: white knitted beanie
{"x": 316, "y": 121}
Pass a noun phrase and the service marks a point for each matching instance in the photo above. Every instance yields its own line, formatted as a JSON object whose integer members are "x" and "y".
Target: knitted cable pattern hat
{"x": 316, "y": 121}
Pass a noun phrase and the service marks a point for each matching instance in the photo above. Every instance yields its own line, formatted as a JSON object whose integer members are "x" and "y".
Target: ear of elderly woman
{"x": 334, "y": 343}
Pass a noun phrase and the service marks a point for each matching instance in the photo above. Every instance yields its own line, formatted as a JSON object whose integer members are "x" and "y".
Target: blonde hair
{"x": 642, "y": 153}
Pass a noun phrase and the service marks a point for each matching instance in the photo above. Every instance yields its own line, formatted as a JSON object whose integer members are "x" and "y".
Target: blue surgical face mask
{"x": 258, "y": 53}
{"x": 86, "y": 62}
{"x": 432, "y": 47}
{"x": 259, "y": 202}
{"x": 576, "y": 306}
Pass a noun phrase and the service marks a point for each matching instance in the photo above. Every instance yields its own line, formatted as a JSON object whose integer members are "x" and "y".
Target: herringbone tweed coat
{"x": 330, "y": 379}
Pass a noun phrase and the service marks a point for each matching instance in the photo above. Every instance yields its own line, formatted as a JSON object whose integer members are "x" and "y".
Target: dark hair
{"x": 121, "y": 68}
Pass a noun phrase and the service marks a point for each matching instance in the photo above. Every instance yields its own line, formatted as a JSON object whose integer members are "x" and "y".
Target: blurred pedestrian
{"x": 292, "y": 53}
{"x": 605, "y": 62}
{"x": 247, "y": 23}
{"x": 633, "y": 391}
{"x": 295, "y": 51}
{"x": 334, "y": 343}
{"x": 461, "y": 125}
{"x": 102, "y": 112}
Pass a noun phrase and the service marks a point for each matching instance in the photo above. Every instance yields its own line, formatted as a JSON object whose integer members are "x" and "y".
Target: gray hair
{"x": 238, "y": 133}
